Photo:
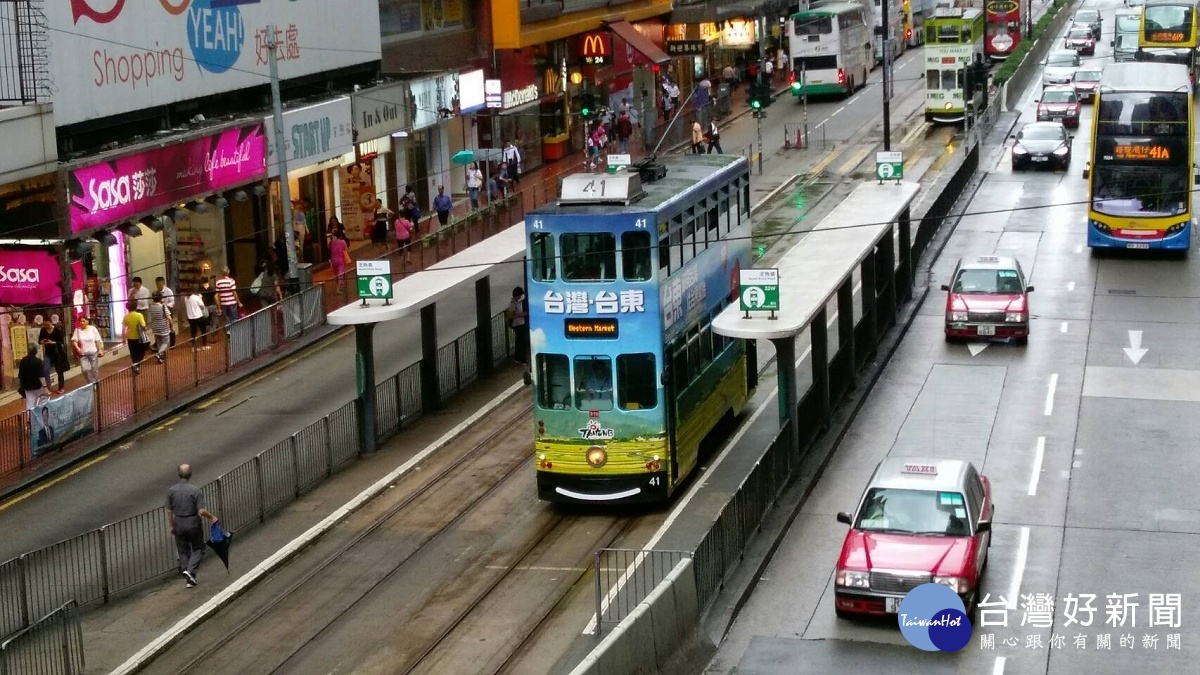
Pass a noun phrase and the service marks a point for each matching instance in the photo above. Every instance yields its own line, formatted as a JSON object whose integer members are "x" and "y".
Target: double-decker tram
{"x": 1141, "y": 174}
{"x": 1003, "y": 18}
{"x": 625, "y": 278}
{"x": 953, "y": 41}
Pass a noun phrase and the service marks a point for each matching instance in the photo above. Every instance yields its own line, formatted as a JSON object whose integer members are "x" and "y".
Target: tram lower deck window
{"x": 553, "y": 381}
{"x": 593, "y": 383}
{"x": 637, "y": 382}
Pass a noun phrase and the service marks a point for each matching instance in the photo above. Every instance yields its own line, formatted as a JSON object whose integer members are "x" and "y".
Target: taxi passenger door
{"x": 979, "y": 502}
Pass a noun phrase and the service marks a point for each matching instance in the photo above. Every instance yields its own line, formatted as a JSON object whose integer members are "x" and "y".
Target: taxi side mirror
{"x": 1029, "y": 289}
{"x": 843, "y": 517}
{"x": 983, "y": 526}
{"x": 1112, "y": 43}
{"x": 946, "y": 287}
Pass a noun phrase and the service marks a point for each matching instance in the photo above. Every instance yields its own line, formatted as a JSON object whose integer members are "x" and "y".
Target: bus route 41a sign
{"x": 889, "y": 166}
{"x": 759, "y": 290}
{"x": 374, "y": 280}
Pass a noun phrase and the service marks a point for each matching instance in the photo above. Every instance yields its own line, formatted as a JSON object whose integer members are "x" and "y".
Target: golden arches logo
{"x": 595, "y": 45}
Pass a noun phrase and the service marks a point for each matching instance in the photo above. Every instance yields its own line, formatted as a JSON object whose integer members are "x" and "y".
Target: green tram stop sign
{"x": 889, "y": 165}
{"x": 758, "y": 290}
{"x": 374, "y": 280}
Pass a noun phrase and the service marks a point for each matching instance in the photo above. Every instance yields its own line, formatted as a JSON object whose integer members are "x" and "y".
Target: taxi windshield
{"x": 1080, "y": 33}
{"x": 922, "y": 512}
{"x": 1087, "y": 75}
{"x": 1052, "y": 96}
{"x": 987, "y": 281}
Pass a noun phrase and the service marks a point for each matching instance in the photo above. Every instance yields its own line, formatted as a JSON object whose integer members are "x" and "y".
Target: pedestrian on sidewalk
{"x": 339, "y": 257}
{"x": 381, "y": 225}
{"x": 210, "y": 302}
{"x": 404, "y": 233}
{"x": 714, "y": 138}
{"x": 408, "y": 206}
{"x": 768, "y": 69}
{"x": 89, "y": 347}
{"x": 731, "y": 78}
{"x": 135, "y": 336}
{"x": 197, "y": 316}
{"x": 697, "y": 138}
{"x": 227, "y": 296}
{"x": 474, "y": 184}
{"x": 168, "y": 302}
{"x": 29, "y": 379}
{"x": 160, "y": 325}
{"x": 518, "y": 320}
{"x": 185, "y": 506}
{"x": 54, "y": 352}
{"x": 513, "y": 157}
{"x": 504, "y": 178}
{"x": 141, "y": 297}
{"x": 441, "y": 206}
{"x": 624, "y": 129}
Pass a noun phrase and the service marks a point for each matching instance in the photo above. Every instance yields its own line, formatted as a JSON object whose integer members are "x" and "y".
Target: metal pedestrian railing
{"x": 625, "y": 577}
{"x": 95, "y": 565}
{"x": 53, "y": 645}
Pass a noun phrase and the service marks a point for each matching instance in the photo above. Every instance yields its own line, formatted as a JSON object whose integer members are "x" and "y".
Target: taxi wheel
{"x": 1021, "y": 341}
{"x": 842, "y": 615}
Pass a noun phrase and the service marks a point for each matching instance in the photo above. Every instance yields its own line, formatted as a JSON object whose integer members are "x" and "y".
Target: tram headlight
{"x": 596, "y": 457}
{"x": 948, "y": 105}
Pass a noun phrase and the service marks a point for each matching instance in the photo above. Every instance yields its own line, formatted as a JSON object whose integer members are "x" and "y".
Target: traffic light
{"x": 760, "y": 96}
{"x": 587, "y": 105}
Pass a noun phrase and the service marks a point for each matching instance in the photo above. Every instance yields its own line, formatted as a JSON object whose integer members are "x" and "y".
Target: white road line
{"x": 1050, "y": 393}
{"x": 1079, "y": 248}
{"x": 1014, "y": 589}
{"x": 998, "y": 667}
{"x": 1071, "y": 286}
{"x": 1063, "y": 327}
{"x": 541, "y": 568}
{"x": 165, "y": 639}
{"x": 697, "y": 483}
{"x": 1038, "y": 455}
{"x": 835, "y": 112}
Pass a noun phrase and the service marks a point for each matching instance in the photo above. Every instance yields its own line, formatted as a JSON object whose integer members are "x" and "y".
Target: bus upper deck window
{"x": 635, "y": 256}
{"x": 544, "y": 260}
{"x": 589, "y": 256}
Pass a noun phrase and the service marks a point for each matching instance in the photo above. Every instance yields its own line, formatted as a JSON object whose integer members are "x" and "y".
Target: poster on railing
{"x": 61, "y": 419}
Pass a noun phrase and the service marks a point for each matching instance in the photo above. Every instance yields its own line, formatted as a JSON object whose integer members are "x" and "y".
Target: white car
{"x": 1134, "y": 3}
{"x": 1059, "y": 67}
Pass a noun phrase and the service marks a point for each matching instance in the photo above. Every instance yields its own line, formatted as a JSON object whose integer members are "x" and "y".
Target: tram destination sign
{"x": 758, "y": 290}
{"x": 591, "y": 329}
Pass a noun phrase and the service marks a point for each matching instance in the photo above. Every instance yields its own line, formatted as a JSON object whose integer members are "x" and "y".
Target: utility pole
{"x": 758, "y": 115}
{"x": 804, "y": 99}
{"x": 886, "y": 47}
{"x": 285, "y": 197}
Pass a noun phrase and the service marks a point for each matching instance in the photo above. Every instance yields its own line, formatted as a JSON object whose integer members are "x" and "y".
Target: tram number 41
{"x": 656, "y": 480}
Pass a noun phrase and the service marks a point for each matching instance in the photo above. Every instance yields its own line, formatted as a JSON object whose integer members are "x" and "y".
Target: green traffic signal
{"x": 755, "y": 103}
{"x": 586, "y": 112}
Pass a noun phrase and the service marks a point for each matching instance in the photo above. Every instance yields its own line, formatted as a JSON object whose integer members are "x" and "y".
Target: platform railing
{"x": 53, "y": 645}
{"x": 98, "y": 564}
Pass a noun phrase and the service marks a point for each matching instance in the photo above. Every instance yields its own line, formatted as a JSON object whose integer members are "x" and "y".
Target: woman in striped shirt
{"x": 160, "y": 325}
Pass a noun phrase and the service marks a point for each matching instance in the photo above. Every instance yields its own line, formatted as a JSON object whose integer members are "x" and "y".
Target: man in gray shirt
{"x": 185, "y": 508}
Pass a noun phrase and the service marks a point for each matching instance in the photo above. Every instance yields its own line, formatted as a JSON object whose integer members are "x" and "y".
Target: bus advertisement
{"x": 1003, "y": 28}
{"x": 953, "y": 41}
{"x": 830, "y": 50}
{"x": 1141, "y": 173}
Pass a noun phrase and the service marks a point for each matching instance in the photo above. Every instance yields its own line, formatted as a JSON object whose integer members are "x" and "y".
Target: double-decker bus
{"x": 625, "y": 278}
{"x": 1170, "y": 33}
{"x": 895, "y": 23}
{"x": 914, "y": 24}
{"x": 1140, "y": 176}
{"x": 953, "y": 41}
{"x": 830, "y": 49}
{"x": 1003, "y": 18}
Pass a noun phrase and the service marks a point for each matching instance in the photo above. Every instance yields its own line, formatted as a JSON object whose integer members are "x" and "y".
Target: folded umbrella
{"x": 219, "y": 541}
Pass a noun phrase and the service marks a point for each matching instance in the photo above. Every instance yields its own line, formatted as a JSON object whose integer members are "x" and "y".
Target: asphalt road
{"x": 1089, "y": 448}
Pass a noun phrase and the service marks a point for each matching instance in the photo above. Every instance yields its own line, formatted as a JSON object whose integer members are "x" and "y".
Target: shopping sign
{"x": 889, "y": 165}
{"x": 374, "y": 279}
{"x": 759, "y": 290}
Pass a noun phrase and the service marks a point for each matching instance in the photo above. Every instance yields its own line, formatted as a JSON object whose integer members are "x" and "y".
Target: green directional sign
{"x": 889, "y": 165}
{"x": 374, "y": 279}
{"x": 759, "y": 290}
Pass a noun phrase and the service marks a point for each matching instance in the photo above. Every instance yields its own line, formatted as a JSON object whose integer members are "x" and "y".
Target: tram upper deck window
{"x": 637, "y": 382}
{"x": 593, "y": 383}
{"x": 544, "y": 260}
{"x": 635, "y": 256}
{"x": 589, "y": 256}
{"x": 553, "y": 381}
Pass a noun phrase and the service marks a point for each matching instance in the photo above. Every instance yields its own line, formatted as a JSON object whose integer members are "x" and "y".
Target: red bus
{"x": 1003, "y": 19}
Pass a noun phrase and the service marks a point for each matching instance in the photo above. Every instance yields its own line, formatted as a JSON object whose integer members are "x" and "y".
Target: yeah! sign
{"x": 127, "y": 187}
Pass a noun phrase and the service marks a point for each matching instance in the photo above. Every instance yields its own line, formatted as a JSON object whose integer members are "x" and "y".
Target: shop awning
{"x": 638, "y": 41}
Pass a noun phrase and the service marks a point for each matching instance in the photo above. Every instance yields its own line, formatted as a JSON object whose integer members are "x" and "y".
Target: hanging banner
{"x": 358, "y": 198}
{"x": 60, "y": 420}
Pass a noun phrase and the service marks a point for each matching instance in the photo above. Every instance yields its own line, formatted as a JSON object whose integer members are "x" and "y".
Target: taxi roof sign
{"x": 922, "y": 469}
{"x": 988, "y": 259}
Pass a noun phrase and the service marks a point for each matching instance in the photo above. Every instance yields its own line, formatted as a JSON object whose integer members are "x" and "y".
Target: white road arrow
{"x": 976, "y": 347}
{"x": 1134, "y": 351}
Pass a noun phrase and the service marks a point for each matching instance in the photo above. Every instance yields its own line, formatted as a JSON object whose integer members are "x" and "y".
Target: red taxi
{"x": 988, "y": 298}
{"x": 919, "y": 521}
{"x": 1059, "y": 104}
{"x": 1086, "y": 81}
{"x": 1080, "y": 39}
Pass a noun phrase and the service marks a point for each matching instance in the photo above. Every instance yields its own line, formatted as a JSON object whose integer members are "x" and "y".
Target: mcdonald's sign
{"x": 596, "y": 49}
